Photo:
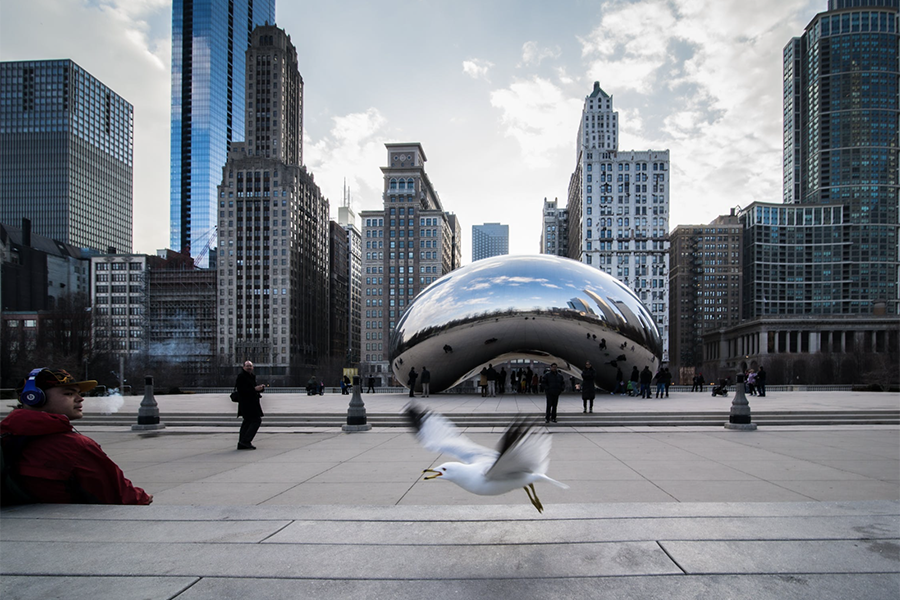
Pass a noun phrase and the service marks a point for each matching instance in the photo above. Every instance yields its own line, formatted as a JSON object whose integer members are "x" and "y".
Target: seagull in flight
{"x": 520, "y": 460}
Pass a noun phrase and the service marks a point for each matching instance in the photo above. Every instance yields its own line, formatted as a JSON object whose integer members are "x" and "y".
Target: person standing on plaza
{"x": 667, "y": 379}
{"x": 371, "y": 388}
{"x": 55, "y": 463}
{"x": 426, "y": 382}
{"x": 761, "y": 382}
{"x": 412, "y": 381}
{"x": 660, "y": 379}
{"x": 646, "y": 377}
{"x": 491, "y": 381}
{"x": 554, "y": 385}
{"x": 249, "y": 409}
{"x": 620, "y": 385}
{"x": 588, "y": 391}
{"x": 635, "y": 379}
{"x": 501, "y": 381}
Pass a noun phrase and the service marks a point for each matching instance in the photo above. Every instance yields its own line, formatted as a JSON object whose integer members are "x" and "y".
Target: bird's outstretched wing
{"x": 437, "y": 434}
{"x": 523, "y": 449}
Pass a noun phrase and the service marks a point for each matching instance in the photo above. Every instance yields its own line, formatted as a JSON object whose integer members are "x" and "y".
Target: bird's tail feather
{"x": 555, "y": 482}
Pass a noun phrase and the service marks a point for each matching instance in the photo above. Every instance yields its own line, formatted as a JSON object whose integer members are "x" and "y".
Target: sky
{"x": 492, "y": 89}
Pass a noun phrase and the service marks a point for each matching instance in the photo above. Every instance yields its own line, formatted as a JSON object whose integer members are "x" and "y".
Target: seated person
{"x": 56, "y": 464}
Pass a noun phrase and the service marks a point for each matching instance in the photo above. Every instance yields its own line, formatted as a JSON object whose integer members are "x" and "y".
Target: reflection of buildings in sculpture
{"x": 273, "y": 230}
{"x": 541, "y": 308}
{"x": 555, "y": 230}
{"x": 409, "y": 243}
{"x": 619, "y": 207}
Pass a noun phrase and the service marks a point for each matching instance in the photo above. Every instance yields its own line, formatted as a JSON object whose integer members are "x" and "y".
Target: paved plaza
{"x": 674, "y": 512}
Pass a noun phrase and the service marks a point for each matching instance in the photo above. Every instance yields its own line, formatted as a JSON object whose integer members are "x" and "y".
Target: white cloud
{"x": 477, "y": 68}
{"x": 354, "y": 143}
{"x": 532, "y": 54}
{"x": 694, "y": 72}
{"x": 538, "y": 115}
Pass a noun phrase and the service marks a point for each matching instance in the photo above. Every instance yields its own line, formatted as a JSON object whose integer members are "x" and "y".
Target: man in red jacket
{"x": 57, "y": 464}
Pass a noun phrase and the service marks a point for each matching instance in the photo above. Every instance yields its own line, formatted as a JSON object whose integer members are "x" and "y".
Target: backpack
{"x": 11, "y": 447}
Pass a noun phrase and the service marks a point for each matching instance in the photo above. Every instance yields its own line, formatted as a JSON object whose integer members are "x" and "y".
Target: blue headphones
{"x": 32, "y": 395}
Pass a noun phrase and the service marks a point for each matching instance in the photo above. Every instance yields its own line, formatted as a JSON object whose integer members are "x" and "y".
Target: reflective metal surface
{"x": 533, "y": 307}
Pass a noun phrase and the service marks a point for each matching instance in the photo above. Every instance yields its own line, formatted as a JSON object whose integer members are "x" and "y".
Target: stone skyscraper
{"x": 65, "y": 155}
{"x": 209, "y": 41}
{"x": 409, "y": 244}
{"x": 619, "y": 209}
{"x": 273, "y": 228}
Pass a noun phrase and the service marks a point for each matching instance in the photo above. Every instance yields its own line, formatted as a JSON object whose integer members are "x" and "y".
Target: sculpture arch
{"x": 539, "y": 307}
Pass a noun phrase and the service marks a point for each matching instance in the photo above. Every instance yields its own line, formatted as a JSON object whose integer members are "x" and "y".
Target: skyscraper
{"x": 555, "y": 230}
{"x": 209, "y": 41}
{"x": 409, "y": 244}
{"x": 619, "y": 209}
{"x": 490, "y": 239}
{"x": 65, "y": 155}
{"x": 841, "y": 163}
{"x": 273, "y": 229}
{"x": 820, "y": 289}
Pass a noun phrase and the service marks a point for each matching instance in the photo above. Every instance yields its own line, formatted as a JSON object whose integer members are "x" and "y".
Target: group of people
{"x": 425, "y": 380}
{"x": 756, "y": 381}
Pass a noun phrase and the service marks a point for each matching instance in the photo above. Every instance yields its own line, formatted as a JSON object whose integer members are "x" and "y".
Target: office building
{"x": 821, "y": 269}
{"x": 209, "y": 109}
{"x": 181, "y": 321}
{"x": 65, "y": 155}
{"x": 409, "y": 244}
{"x": 555, "y": 229}
{"x": 619, "y": 209}
{"x": 339, "y": 298}
{"x": 490, "y": 239}
{"x": 841, "y": 157}
{"x": 705, "y": 282}
{"x": 273, "y": 230}
{"x": 348, "y": 220}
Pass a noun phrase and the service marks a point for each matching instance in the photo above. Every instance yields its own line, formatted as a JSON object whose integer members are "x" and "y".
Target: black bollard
{"x": 148, "y": 413}
{"x": 356, "y": 414}
{"x": 740, "y": 409}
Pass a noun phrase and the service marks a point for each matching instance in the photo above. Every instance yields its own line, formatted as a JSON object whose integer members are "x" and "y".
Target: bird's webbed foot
{"x": 532, "y": 495}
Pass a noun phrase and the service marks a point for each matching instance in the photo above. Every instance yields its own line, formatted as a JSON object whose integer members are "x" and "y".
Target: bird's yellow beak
{"x": 436, "y": 473}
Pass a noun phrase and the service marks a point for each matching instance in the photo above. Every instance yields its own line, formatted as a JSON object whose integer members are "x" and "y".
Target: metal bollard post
{"x": 740, "y": 409}
{"x": 356, "y": 414}
{"x": 148, "y": 413}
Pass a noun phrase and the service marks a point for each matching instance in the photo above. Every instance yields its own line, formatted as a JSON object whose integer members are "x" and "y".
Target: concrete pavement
{"x": 675, "y": 512}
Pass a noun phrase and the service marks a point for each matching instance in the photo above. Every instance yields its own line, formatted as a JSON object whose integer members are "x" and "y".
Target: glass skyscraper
{"x": 832, "y": 247}
{"x": 65, "y": 154}
{"x": 490, "y": 239}
{"x": 209, "y": 43}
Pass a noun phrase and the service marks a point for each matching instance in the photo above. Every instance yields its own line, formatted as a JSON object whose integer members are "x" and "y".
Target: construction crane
{"x": 208, "y": 239}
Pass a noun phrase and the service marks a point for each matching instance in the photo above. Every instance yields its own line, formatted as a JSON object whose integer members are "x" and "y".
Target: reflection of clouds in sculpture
{"x": 527, "y": 307}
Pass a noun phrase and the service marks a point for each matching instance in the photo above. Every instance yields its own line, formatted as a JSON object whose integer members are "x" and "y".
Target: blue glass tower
{"x": 835, "y": 250}
{"x": 65, "y": 154}
{"x": 209, "y": 42}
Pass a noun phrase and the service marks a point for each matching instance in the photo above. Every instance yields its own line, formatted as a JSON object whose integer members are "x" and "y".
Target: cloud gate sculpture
{"x": 535, "y": 307}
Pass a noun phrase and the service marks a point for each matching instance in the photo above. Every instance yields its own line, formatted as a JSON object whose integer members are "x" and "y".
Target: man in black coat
{"x": 249, "y": 409}
{"x": 587, "y": 386}
{"x": 646, "y": 378}
{"x": 412, "y": 381}
{"x": 554, "y": 385}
